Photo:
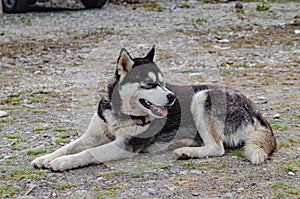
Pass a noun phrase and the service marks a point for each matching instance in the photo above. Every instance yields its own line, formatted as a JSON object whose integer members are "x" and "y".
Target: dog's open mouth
{"x": 155, "y": 109}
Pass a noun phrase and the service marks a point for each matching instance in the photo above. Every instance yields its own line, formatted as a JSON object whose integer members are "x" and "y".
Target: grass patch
{"x": 60, "y": 129}
{"x": 62, "y": 141}
{"x": 25, "y": 174}
{"x": 36, "y": 152}
{"x": 63, "y": 185}
{"x": 288, "y": 168}
{"x": 8, "y": 190}
{"x": 7, "y": 136}
{"x": 263, "y": 6}
{"x": 110, "y": 192}
{"x": 239, "y": 153}
{"x": 191, "y": 165}
{"x": 136, "y": 176}
{"x": 36, "y": 111}
{"x": 19, "y": 147}
{"x": 37, "y": 100}
{"x": 283, "y": 190}
{"x": 184, "y": 5}
{"x": 39, "y": 121}
{"x": 115, "y": 173}
{"x": 278, "y": 126}
{"x": 63, "y": 136}
{"x": 38, "y": 129}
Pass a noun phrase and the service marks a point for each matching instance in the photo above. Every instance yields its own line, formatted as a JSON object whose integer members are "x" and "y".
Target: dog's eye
{"x": 149, "y": 85}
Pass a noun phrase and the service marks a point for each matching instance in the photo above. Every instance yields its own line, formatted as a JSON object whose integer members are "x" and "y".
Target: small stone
{"x": 197, "y": 172}
{"x": 145, "y": 194}
{"x": 297, "y": 32}
{"x": 29, "y": 130}
{"x": 238, "y": 5}
{"x": 291, "y": 173}
{"x": 3, "y": 114}
{"x": 263, "y": 100}
{"x": 223, "y": 41}
{"x": 26, "y": 197}
{"x": 228, "y": 195}
{"x": 195, "y": 194}
{"x": 298, "y": 149}
{"x": 276, "y": 116}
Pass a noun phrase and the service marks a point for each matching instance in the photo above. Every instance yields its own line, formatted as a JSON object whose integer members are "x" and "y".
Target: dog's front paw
{"x": 183, "y": 153}
{"x": 43, "y": 161}
{"x": 63, "y": 163}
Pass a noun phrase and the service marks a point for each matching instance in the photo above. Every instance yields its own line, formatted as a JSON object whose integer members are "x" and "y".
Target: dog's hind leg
{"x": 94, "y": 136}
{"x": 209, "y": 128}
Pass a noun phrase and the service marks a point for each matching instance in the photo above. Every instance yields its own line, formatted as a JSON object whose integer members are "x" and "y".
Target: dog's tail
{"x": 259, "y": 145}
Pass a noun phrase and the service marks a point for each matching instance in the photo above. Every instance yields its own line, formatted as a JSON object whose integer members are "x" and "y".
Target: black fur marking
{"x": 102, "y": 106}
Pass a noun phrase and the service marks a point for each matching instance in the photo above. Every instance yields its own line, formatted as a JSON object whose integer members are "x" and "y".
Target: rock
{"x": 228, "y": 195}
{"x": 276, "y": 116}
{"x": 238, "y": 5}
{"x": 197, "y": 172}
{"x": 145, "y": 194}
{"x": 263, "y": 100}
{"x": 26, "y": 197}
{"x": 3, "y": 114}
{"x": 223, "y": 41}
{"x": 297, "y": 32}
{"x": 291, "y": 173}
{"x": 195, "y": 194}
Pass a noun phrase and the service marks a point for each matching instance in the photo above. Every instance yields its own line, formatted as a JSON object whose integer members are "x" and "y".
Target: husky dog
{"x": 141, "y": 113}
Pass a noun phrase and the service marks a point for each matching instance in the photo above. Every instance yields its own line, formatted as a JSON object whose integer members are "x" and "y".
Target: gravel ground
{"x": 55, "y": 63}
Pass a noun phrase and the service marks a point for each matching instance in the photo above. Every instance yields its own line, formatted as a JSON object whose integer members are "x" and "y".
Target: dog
{"x": 142, "y": 113}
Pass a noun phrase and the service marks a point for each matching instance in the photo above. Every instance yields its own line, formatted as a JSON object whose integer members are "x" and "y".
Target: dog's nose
{"x": 171, "y": 98}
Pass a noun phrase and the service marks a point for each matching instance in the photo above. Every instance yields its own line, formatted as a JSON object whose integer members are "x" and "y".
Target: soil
{"x": 55, "y": 65}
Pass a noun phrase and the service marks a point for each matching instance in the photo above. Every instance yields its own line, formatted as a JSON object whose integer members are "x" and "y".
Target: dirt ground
{"x": 54, "y": 66}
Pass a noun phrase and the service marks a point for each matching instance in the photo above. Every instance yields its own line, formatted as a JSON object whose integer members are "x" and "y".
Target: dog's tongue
{"x": 160, "y": 109}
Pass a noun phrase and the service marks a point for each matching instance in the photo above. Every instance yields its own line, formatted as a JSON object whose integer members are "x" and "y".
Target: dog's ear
{"x": 150, "y": 55}
{"x": 125, "y": 62}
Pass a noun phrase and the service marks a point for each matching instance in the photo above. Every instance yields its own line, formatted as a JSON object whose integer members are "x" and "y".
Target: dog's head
{"x": 141, "y": 89}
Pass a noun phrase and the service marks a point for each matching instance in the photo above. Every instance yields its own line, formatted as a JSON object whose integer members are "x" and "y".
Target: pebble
{"x": 195, "y": 194}
{"x": 145, "y": 194}
{"x": 26, "y": 197}
{"x": 291, "y": 173}
{"x": 276, "y": 116}
{"x": 3, "y": 114}
{"x": 228, "y": 195}
{"x": 297, "y": 32}
{"x": 263, "y": 100}
{"x": 223, "y": 41}
{"x": 197, "y": 172}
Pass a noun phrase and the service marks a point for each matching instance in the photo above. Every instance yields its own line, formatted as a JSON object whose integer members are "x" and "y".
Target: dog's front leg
{"x": 108, "y": 152}
{"x": 94, "y": 136}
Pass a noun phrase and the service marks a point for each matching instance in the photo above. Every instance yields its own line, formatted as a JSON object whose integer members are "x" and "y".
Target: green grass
{"x": 191, "y": 165}
{"x": 110, "y": 192}
{"x": 7, "y": 136}
{"x": 288, "y": 168}
{"x": 8, "y": 190}
{"x": 283, "y": 190}
{"x": 136, "y": 176}
{"x": 37, "y": 111}
{"x": 39, "y": 121}
{"x": 278, "y": 126}
{"x": 25, "y": 174}
{"x": 115, "y": 173}
{"x": 38, "y": 129}
{"x": 60, "y": 129}
{"x": 36, "y": 151}
{"x": 63, "y": 136}
{"x": 239, "y": 153}
{"x": 62, "y": 141}
{"x": 63, "y": 185}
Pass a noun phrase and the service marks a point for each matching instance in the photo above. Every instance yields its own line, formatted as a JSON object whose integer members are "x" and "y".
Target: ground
{"x": 55, "y": 65}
